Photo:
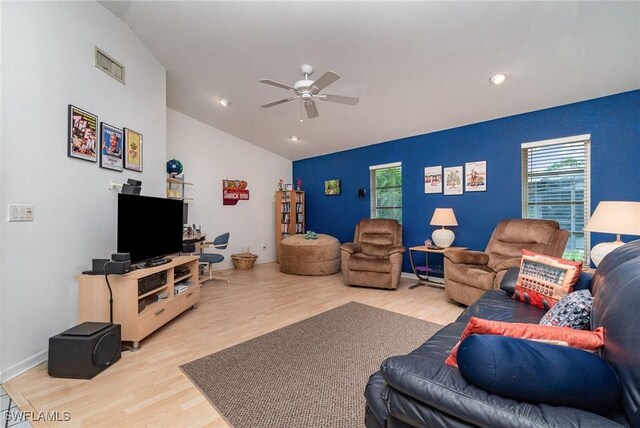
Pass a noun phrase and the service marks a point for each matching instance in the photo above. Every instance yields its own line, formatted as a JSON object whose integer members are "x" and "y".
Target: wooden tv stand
{"x": 93, "y": 299}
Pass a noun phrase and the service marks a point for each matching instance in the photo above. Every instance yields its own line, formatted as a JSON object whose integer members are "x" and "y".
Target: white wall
{"x": 48, "y": 63}
{"x": 210, "y": 155}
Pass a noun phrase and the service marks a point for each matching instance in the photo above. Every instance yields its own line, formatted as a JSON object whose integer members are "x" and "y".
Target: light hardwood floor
{"x": 146, "y": 388}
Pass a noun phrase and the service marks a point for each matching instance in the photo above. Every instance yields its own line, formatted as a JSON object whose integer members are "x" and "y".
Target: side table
{"x": 424, "y": 279}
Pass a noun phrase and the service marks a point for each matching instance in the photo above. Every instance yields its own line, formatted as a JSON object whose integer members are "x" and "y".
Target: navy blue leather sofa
{"x": 419, "y": 390}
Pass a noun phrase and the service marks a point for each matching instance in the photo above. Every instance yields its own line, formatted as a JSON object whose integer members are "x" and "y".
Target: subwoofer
{"x": 84, "y": 351}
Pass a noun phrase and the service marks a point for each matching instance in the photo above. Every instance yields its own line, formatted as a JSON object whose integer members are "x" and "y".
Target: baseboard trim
{"x": 23, "y": 366}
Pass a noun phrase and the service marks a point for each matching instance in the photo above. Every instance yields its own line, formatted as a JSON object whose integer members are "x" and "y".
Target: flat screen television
{"x": 149, "y": 228}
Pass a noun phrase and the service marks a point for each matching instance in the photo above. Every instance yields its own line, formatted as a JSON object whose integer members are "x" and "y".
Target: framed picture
{"x": 132, "y": 150}
{"x": 288, "y": 186}
{"x": 110, "y": 147}
{"x": 433, "y": 179}
{"x": 453, "y": 180}
{"x": 332, "y": 187}
{"x": 475, "y": 177}
{"x": 83, "y": 131}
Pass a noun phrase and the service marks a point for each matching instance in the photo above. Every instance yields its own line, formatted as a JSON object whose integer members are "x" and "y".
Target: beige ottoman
{"x": 301, "y": 256}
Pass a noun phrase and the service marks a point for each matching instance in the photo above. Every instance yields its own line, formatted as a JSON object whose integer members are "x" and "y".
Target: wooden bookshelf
{"x": 290, "y": 215}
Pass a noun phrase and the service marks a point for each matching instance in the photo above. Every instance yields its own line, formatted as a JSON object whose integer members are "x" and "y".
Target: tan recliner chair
{"x": 374, "y": 258}
{"x": 469, "y": 274}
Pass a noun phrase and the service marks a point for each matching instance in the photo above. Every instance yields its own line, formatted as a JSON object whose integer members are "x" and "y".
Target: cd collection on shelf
{"x": 289, "y": 202}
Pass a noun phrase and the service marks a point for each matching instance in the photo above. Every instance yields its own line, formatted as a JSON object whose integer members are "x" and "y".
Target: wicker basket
{"x": 244, "y": 261}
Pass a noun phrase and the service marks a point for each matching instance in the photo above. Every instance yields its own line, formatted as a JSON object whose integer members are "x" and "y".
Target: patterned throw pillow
{"x": 544, "y": 280}
{"x": 573, "y": 310}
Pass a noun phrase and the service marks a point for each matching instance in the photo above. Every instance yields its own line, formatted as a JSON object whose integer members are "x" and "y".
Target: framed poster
{"x": 83, "y": 131}
{"x": 453, "y": 180}
{"x": 111, "y": 147}
{"x": 332, "y": 187}
{"x": 132, "y": 150}
{"x": 475, "y": 178}
{"x": 433, "y": 179}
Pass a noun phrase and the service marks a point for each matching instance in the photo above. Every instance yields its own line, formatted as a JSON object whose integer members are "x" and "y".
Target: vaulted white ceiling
{"x": 417, "y": 67}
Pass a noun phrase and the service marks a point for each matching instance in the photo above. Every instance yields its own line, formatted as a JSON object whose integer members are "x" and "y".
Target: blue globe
{"x": 174, "y": 167}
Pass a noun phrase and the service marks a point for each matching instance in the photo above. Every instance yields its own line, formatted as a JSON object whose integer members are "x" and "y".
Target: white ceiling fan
{"x": 307, "y": 90}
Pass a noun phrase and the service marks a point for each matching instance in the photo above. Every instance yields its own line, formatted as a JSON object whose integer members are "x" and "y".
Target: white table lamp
{"x": 617, "y": 217}
{"x": 443, "y": 217}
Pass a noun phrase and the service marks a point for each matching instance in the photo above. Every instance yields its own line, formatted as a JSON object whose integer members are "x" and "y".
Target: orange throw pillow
{"x": 544, "y": 280}
{"x": 583, "y": 339}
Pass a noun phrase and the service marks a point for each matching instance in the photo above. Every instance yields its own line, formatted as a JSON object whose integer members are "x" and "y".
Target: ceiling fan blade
{"x": 339, "y": 99}
{"x": 275, "y": 103}
{"x": 312, "y": 110}
{"x": 278, "y": 84}
{"x": 325, "y": 80}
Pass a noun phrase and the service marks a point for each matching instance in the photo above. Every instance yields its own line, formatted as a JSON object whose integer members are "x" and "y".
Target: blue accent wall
{"x": 612, "y": 121}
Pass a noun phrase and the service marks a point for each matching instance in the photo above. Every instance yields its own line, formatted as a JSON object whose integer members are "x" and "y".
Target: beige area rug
{"x": 309, "y": 374}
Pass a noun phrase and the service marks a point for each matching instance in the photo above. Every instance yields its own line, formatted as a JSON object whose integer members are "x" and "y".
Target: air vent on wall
{"x": 110, "y": 66}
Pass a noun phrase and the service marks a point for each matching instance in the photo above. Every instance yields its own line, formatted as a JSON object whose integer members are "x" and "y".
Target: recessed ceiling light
{"x": 294, "y": 138}
{"x": 497, "y": 79}
{"x": 224, "y": 102}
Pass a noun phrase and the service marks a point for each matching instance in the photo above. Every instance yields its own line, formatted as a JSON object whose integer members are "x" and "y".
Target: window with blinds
{"x": 386, "y": 191}
{"x": 556, "y": 186}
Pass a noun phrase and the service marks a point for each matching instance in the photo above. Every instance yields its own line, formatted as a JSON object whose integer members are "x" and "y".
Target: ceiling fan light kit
{"x": 306, "y": 90}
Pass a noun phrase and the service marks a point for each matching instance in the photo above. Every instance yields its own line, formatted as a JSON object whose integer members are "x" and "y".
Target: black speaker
{"x": 84, "y": 351}
{"x": 97, "y": 266}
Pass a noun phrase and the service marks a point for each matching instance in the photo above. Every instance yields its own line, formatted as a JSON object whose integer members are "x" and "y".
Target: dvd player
{"x": 151, "y": 282}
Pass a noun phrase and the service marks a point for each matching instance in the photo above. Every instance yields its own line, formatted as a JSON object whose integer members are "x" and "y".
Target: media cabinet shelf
{"x": 157, "y": 290}
{"x": 182, "y": 278}
{"x": 93, "y": 299}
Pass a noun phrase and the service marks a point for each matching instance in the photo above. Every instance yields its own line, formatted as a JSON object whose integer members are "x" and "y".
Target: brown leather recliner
{"x": 374, "y": 258}
{"x": 469, "y": 274}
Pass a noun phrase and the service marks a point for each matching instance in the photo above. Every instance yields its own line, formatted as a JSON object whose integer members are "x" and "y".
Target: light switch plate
{"x": 19, "y": 212}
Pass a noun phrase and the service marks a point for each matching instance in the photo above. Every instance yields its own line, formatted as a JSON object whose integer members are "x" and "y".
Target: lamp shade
{"x": 443, "y": 217}
{"x": 619, "y": 217}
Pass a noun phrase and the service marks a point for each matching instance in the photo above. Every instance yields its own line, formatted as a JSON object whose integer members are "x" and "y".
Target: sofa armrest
{"x": 439, "y": 386}
{"x": 508, "y": 264}
{"x": 396, "y": 249}
{"x": 351, "y": 248}
{"x": 468, "y": 257}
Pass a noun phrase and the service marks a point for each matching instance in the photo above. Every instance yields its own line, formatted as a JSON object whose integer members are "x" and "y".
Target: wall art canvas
{"x": 433, "y": 179}
{"x": 132, "y": 150}
{"x": 83, "y": 131}
{"x": 111, "y": 147}
{"x": 453, "y": 180}
{"x": 332, "y": 187}
{"x": 475, "y": 176}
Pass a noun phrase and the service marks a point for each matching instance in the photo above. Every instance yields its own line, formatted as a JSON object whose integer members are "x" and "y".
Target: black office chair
{"x": 208, "y": 259}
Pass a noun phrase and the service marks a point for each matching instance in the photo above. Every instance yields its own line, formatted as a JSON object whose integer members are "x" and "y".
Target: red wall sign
{"x": 234, "y": 191}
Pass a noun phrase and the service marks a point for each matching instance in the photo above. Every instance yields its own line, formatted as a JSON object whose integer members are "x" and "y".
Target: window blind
{"x": 386, "y": 191}
{"x": 556, "y": 186}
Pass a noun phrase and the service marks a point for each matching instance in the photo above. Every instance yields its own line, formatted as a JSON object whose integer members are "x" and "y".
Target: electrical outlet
{"x": 264, "y": 246}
